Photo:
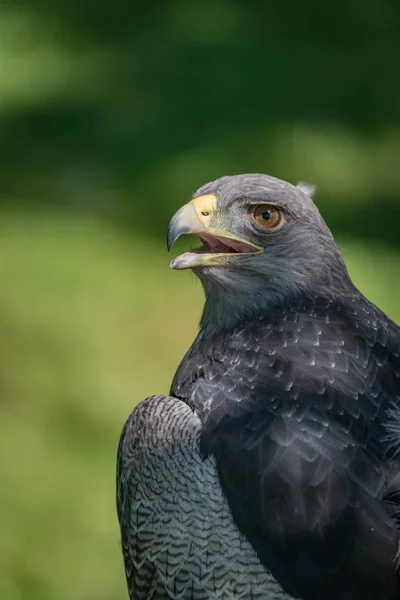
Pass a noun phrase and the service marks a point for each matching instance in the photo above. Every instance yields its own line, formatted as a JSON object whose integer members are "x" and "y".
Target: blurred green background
{"x": 111, "y": 115}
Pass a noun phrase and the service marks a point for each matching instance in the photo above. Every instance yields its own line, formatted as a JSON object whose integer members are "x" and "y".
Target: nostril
{"x": 205, "y": 213}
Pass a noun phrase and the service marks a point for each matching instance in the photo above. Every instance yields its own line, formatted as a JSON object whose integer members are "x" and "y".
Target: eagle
{"x": 272, "y": 468}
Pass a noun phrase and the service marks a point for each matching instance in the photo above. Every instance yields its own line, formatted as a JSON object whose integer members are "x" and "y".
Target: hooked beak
{"x": 191, "y": 218}
{"x": 219, "y": 246}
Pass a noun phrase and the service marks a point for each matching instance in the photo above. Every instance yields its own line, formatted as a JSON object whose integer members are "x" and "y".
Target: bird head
{"x": 263, "y": 240}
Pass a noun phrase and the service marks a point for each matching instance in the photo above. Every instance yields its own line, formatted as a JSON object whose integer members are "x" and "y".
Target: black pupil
{"x": 266, "y": 215}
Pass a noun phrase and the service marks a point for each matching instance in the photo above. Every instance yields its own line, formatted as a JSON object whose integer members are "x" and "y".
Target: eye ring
{"x": 267, "y": 216}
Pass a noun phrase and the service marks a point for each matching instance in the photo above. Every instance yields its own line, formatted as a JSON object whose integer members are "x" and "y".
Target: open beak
{"x": 219, "y": 246}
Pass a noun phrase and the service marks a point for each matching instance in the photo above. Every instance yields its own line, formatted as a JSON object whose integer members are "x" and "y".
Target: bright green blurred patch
{"x": 92, "y": 320}
{"x": 35, "y": 67}
{"x": 91, "y": 323}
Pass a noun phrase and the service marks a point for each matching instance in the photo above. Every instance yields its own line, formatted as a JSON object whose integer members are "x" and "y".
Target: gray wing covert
{"x": 178, "y": 536}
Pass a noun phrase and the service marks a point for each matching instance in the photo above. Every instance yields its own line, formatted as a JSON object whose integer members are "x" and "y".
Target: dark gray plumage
{"x": 277, "y": 451}
{"x": 178, "y": 536}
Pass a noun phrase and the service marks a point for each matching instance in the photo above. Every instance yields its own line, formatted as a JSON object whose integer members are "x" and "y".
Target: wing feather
{"x": 178, "y": 536}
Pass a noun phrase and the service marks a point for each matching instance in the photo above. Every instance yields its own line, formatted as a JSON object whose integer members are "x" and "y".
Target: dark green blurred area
{"x": 111, "y": 115}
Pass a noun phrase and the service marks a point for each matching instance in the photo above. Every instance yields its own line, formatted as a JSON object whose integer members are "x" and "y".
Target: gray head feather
{"x": 301, "y": 258}
{"x": 307, "y": 188}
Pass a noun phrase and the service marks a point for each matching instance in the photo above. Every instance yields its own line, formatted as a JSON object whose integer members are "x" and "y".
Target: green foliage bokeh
{"x": 111, "y": 114}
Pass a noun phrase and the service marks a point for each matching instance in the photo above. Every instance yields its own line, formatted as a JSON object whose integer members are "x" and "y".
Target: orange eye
{"x": 267, "y": 216}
